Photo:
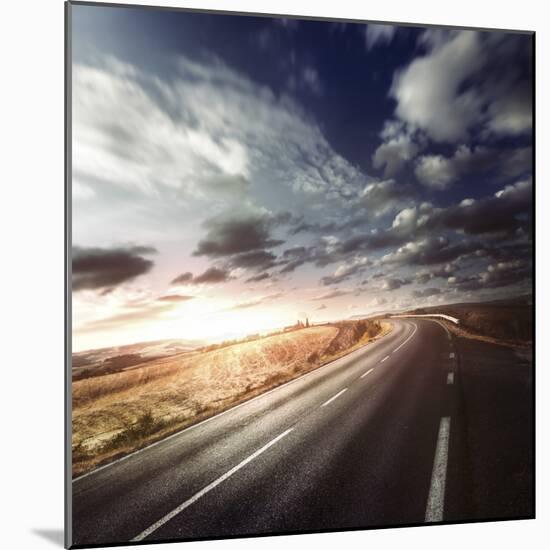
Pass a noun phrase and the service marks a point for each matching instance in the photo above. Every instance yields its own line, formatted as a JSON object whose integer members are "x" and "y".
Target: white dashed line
{"x": 451, "y": 355}
{"x": 366, "y": 373}
{"x": 207, "y": 489}
{"x": 334, "y": 397}
{"x": 450, "y": 378}
{"x": 387, "y": 357}
{"x": 436, "y": 497}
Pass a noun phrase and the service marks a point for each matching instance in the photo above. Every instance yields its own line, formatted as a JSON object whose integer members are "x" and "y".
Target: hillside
{"x": 115, "y": 413}
{"x": 506, "y": 321}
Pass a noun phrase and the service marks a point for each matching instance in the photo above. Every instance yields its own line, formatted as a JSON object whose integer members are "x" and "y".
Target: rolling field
{"x": 118, "y": 412}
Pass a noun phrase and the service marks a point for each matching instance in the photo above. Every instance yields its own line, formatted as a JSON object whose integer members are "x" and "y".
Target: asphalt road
{"x": 415, "y": 427}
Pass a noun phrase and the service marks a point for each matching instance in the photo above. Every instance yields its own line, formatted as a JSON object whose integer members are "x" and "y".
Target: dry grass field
{"x": 116, "y": 413}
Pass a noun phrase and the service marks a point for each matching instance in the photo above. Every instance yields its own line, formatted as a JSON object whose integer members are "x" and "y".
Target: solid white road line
{"x": 450, "y": 378}
{"x": 401, "y": 345}
{"x": 208, "y": 488}
{"x": 451, "y": 355}
{"x": 436, "y": 497}
{"x": 366, "y": 373}
{"x": 334, "y": 397}
{"x": 387, "y": 357}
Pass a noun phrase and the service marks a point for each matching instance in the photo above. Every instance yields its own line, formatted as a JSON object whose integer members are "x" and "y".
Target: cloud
{"x": 505, "y": 212}
{"x": 426, "y": 293}
{"x": 257, "y": 302}
{"x": 308, "y": 79}
{"x": 346, "y": 270}
{"x": 287, "y": 23}
{"x": 443, "y": 271}
{"x": 135, "y": 315}
{"x": 104, "y": 268}
{"x": 257, "y": 278}
{"x": 379, "y": 34}
{"x": 383, "y": 197}
{"x": 435, "y": 171}
{"x": 212, "y": 275}
{"x": 189, "y": 136}
{"x": 394, "y": 284}
{"x": 175, "y": 298}
{"x": 336, "y": 293}
{"x": 183, "y": 279}
{"x": 398, "y": 147}
{"x": 256, "y": 259}
{"x": 236, "y": 233}
{"x": 457, "y": 86}
{"x": 511, "y": 114}
{"x": 438, "y": 172}
{"x": 429, "y": 251}
{"x": 497, "y": 275}
{"x": 321, "y": 307}
{"x": 295, "y": 257}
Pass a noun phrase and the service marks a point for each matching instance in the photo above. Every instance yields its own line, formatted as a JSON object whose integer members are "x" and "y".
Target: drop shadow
{"x": 56, "y": 536}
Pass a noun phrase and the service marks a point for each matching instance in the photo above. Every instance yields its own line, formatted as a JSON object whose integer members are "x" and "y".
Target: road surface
{"x": 415, "y": 427}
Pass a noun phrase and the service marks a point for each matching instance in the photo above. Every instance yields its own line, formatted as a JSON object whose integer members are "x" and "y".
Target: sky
{"x": 232, "y": 174}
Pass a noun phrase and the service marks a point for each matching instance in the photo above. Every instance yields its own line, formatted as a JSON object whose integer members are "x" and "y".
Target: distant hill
{"x": 508, "y": 319}
{"x": 101, "y": 361}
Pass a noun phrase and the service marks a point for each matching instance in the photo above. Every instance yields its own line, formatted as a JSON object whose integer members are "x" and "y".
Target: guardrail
{"x": 440, "y": 315}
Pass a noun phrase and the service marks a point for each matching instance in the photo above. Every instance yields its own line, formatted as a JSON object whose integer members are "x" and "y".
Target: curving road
{"x": 383, "y": 436}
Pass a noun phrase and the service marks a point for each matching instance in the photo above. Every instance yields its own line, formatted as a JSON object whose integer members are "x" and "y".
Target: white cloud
{"x": 384, "y": 197}
{"x": 428, "y": 92}
{"x": 397, "y": 148}
{"x": 456, "y": 86}
{"x": 312, "y": 80}
{"x": 209, "y": 129}
{"x": 439, "y": 172}
{"x": 518, "y": 188}
{"x": 435, "y": 171}
{"x": 379, "y": 34}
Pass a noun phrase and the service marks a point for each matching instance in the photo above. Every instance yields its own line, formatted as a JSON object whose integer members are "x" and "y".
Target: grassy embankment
{"x": 115, "y": 413}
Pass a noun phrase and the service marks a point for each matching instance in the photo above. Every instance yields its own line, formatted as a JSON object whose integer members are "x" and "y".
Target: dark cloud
{"x": 237, "y": 233}
{"x": 497, "y": 275}
{"x": 430, "y": 251}
{"x": 184, "y": 278}
{"x": 505, "y": 212}
{"x": 257, "y": 278}
{"x": 256, "y": 259}
{"x": 386, "y": 196}
{"x": 295, "y": 257}
{"x": 211, "y": 276}
{"x": 103, "y": 268}
{"x": 438, "y": 171}
{"x": 442, "y": 271}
